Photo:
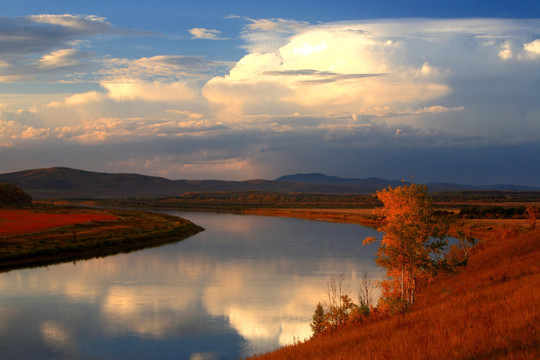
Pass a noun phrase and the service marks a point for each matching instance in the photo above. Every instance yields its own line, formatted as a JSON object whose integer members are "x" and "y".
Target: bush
{"x": 13, "y": 195}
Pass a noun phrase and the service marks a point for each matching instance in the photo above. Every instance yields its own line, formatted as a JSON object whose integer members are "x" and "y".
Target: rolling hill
{"x": 63, "y": 183}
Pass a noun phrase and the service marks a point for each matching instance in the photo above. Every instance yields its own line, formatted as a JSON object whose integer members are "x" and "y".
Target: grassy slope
{"x": 490, "y": 310}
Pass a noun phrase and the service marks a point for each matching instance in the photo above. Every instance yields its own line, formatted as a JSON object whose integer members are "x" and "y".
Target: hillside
{"x": 490, "y": 310}
{"x": 317, "y": 178}
{"x": 13, "y": 195}
{"x": 64, "y": 183}
{"x": 67, "y": 183}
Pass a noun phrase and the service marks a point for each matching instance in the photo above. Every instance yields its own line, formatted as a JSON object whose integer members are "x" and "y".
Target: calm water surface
{"x": 245, "y": 285}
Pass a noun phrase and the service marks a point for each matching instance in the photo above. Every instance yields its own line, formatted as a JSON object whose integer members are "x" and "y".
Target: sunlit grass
{"x": 490, "y": 310}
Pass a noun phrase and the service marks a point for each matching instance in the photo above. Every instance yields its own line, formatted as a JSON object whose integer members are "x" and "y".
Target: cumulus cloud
{"x": 506, "y": 51}
{"x": 300, "y": 89}
{"x": 325, "y": 69}
{"x": 533, "y": 48}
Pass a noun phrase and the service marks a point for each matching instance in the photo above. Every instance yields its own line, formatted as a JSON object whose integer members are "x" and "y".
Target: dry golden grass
{"x": 359, "y": 216}
{"x": 490, "y": 310}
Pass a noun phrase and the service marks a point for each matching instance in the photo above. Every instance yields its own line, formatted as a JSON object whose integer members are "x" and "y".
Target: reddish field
{"x": 21, "y": 221}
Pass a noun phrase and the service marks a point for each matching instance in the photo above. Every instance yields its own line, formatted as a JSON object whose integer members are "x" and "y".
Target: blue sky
{"x": 442, "y": 91}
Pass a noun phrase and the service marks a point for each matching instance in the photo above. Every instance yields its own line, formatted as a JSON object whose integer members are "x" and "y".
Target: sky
{"x": 445, "y": 91}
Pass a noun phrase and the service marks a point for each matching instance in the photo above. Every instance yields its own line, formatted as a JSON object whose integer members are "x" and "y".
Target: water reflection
{"x": 245, "y": 285}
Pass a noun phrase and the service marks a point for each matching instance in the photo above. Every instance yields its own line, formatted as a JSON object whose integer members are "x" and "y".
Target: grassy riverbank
{"x": 70, "y": 234}
{"x": 479, "y": 228}
{"x": 359, "y": 216}
{"x": 489, "y": 310}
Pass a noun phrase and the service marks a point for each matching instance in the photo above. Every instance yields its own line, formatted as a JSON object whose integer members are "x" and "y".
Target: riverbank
{"x": 489, "y": 310}
{"x": 479, "y": 228}
{"x": 45, "y": 235}
{"x": 362, "y": 216}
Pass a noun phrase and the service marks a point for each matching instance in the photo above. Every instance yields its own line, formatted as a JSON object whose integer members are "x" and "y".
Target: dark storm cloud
{"x": 286, "y": 153}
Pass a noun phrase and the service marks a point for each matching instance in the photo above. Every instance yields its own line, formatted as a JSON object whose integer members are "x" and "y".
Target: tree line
{"x": 493, "y": 212}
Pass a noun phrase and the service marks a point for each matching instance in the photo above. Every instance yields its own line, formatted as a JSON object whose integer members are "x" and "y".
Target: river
{"x": 247, "y": 284}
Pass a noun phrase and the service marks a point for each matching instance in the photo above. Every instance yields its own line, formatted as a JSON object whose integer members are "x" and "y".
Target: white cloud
{"x": 79, "y": 99}
{"x": 341, "y": 87}
{"x": 207, "y": 34}
{"x": 33, "y": 133}
{"x": 533, "y": 48}
{"x": 325, "y": 70}
{"x": 506, "y": 51}
{"x": 149, "y": 91}
{"x": 79, "y": 23}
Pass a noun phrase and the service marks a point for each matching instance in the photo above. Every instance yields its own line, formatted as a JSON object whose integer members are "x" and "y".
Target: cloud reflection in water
{"x": 245, "y": 285}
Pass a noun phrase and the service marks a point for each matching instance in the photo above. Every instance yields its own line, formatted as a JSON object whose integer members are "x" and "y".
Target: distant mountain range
{"x": 375, "y": 184}
{"x": 63, "y": 183}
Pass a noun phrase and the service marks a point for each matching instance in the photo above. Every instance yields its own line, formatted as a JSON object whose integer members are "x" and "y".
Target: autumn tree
{"x": 338, "y": 308}
{"x": 412, "y": 235}
{"x": 318, "y": 325}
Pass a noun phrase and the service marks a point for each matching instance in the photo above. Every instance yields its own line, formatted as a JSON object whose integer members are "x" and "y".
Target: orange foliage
{"x": 490, "y": 310}
{"x": 409, "y": 226}
{"x": 21, "y": 221}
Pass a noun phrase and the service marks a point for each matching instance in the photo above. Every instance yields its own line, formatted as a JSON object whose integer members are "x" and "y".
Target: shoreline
{"x": 362, "y": 217}
{"x": 482, "y": 229}
{"x": 133, "y": 230}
